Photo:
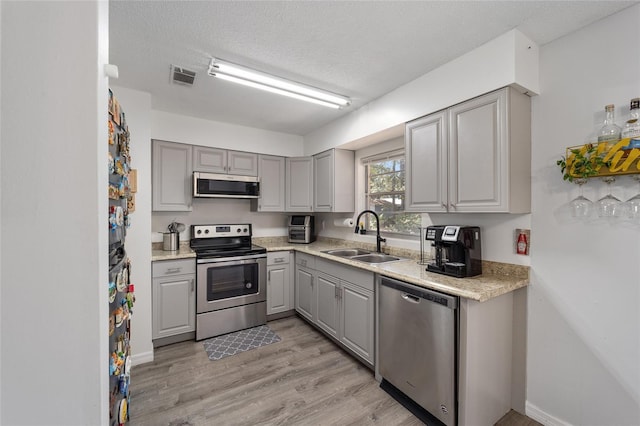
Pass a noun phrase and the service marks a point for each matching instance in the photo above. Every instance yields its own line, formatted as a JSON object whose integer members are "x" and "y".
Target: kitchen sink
{"x": 347, "y": 252}
{"x": 375, "y": 258}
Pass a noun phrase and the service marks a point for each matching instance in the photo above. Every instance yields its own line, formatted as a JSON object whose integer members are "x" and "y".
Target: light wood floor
{"x": 302, "y": 380}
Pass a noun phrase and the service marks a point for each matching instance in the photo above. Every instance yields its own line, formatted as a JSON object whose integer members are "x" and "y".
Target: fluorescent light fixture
{"x": 263, "y": 81}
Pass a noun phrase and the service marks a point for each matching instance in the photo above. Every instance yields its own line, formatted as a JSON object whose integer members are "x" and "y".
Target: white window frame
{"x": 368, "y": 220}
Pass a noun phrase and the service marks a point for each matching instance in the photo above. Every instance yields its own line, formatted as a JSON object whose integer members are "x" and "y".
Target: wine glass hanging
{"x": 581, "y": 207}
{"x": 632, "y": 205}
{"x": 608, "y": 206}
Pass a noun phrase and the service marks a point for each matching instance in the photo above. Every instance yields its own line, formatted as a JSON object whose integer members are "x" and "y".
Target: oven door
{"x": 229, "y": 282}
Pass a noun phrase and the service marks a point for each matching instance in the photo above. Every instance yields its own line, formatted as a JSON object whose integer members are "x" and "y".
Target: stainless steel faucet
{"x": 379, "y": 239}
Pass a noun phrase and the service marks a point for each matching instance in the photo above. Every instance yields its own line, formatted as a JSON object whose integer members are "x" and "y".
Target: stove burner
{"x": 218, "y": 241}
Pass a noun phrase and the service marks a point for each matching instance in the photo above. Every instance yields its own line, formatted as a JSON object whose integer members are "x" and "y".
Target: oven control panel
{"x": 219, "y": 231}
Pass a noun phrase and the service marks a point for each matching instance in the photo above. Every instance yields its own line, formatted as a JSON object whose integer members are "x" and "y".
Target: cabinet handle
{"x": 444, "y": 206}
{"x": 303, "y": 262}
{"x": 193, "y": 287}
{"x": 269, "y": 277}
{"x": 173, "y": 270}
{"x": 278, "y": 260}
{"x": 453, "y": 206}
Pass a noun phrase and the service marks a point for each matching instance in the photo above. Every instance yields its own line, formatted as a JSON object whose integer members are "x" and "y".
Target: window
{"x": 384, "y": 191}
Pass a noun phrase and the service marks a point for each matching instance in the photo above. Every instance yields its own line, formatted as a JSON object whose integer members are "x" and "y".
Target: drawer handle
{"x": 303, "y": 262}
{"x": 278, "y": 260}
{"x": 173, "y": 270}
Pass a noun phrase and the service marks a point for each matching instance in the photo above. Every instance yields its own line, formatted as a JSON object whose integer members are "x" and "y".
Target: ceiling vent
{"x": 182, "y": 76}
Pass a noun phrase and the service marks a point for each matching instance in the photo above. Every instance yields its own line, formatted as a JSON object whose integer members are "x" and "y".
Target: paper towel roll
{"x": 346, "y": 223}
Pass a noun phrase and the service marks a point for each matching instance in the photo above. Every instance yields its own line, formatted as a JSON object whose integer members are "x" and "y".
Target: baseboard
{"x": 142, "y": 358}
{"x": 540, "y": 416}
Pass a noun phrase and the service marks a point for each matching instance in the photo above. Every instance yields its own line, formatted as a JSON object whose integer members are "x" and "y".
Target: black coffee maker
{"x": 458, "y": 250}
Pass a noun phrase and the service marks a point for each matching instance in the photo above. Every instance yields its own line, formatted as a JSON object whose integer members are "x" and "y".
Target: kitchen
{"x": 582, "y": 347}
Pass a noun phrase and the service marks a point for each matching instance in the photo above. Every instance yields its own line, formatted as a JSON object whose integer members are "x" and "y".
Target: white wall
{"x": 208, "y": 211}
{"x": 196, "y": 131}
{"x": 137, "y": 108}
{"x": 54, "y": 212}
{"x": 511, "y": 59}
{"x": 584, "y": 298}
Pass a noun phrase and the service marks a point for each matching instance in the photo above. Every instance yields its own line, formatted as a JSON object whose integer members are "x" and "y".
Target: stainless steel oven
{"x": 230, "y": 279}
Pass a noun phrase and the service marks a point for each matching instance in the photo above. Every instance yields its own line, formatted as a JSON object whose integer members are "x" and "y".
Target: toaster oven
{"x": 302, "y": 229}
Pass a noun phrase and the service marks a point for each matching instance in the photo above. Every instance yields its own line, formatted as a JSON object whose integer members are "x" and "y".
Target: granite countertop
{"x": 183, "y": 252}
{"x": 497, "y": 278}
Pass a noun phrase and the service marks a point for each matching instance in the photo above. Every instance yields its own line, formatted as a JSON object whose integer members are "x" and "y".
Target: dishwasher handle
{"x": 414, "y": 294}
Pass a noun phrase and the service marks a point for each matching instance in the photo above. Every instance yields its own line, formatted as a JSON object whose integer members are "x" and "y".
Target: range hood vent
{"x": 182, "y": 76}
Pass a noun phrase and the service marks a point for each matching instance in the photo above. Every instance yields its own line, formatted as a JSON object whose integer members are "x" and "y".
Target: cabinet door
{"x": 304, "y": 293}
{"x": 323, "y": 181}
{"x": 426, "y": 167}
{"x": 278, "y": 289}
{"x": 357, "y": 320}
{"x": 171, "y": 176}
{"x": 242, "y": 163}
{"x": 173, "y": 305}
{"x": 272, "y": 186}
{"x": 478, "y": 154}
{"x": 299, "y": 184}
{"x": 211, "y": 160}
{"x": 327, "y": 299}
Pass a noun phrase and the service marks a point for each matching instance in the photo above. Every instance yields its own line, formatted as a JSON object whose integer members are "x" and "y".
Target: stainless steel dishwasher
{"x": 418, "y": 334}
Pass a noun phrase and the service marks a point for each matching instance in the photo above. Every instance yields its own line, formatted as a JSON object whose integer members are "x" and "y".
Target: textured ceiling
{"x": 361, "y": 49}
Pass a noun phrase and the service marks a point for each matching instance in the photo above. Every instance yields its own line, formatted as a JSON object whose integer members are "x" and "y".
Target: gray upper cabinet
{"x": 490, "y": 154}
{"x": 216, "y": 160}
{"x": 299, "y": 184}
{"x": 474, "y": 157}
{"x": 334, "y": 181}
{"x": 171, "y": 176}
{"x": 211, "y": 160}
{"x": 271, "y": 171}
{"x": 426, "y": 163}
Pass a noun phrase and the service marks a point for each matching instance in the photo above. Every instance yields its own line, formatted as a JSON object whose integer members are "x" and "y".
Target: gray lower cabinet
{"x": 171, "y": 172}
{"x": 339, "y": 300}
{"x": 328, "y": 303}
{"x": 173, "y": 300}
{"x": 304, "y": 292}
{"x": 357, "y": 319}
{"x": 279, "y": 282}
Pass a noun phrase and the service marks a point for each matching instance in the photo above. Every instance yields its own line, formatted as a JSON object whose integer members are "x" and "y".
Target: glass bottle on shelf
{"x": 609, "y": 133}
{"x": 632, "y": 125}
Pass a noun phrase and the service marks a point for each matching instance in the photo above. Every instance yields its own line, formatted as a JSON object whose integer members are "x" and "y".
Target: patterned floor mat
{"x": 240, "y": 341}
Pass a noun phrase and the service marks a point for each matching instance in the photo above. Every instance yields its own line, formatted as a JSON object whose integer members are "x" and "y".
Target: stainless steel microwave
{"x": 302, "y": 229}
{"x": 211, "y": 185}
